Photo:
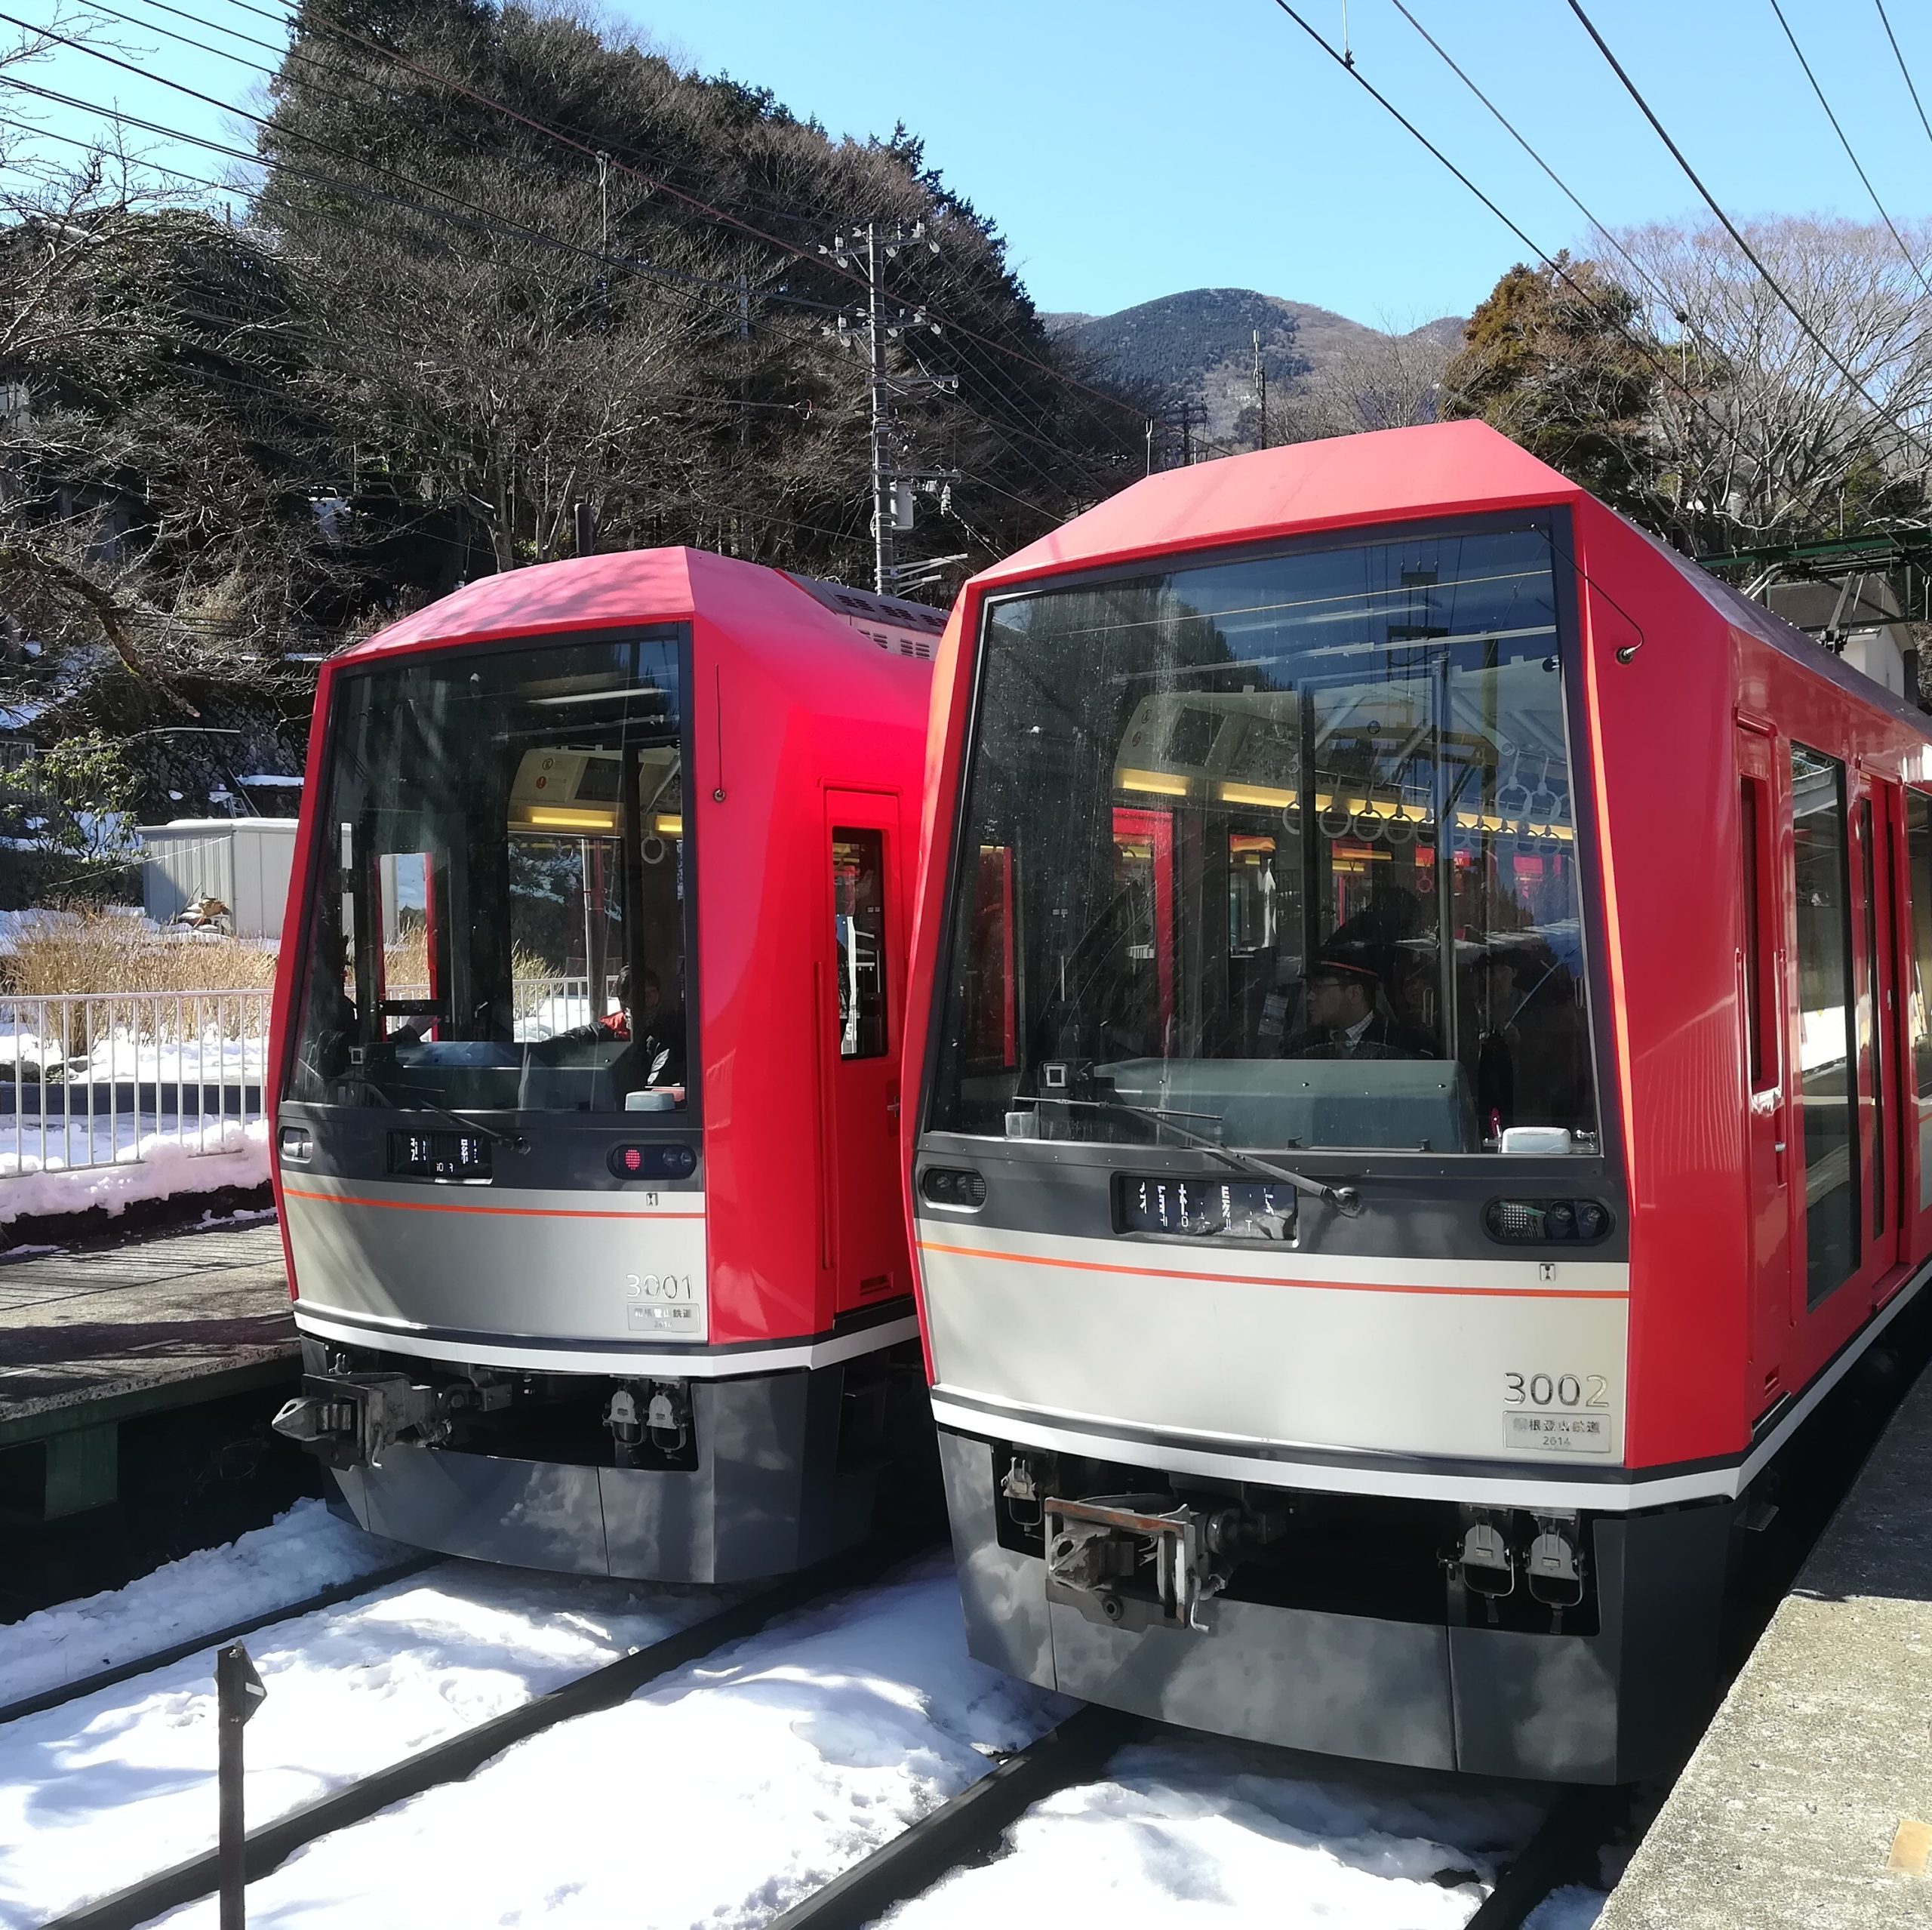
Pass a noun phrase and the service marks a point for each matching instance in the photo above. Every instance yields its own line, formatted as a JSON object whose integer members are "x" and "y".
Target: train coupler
{"x": 1137, "y": 1561}
{"x": 349, "y": 1420}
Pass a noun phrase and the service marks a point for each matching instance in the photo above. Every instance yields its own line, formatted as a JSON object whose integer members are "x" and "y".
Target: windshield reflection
{"x": 1286, "y": 846}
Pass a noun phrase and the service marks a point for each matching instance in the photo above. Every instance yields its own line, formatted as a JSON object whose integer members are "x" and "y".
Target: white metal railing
{"x": 102, "y": 1078}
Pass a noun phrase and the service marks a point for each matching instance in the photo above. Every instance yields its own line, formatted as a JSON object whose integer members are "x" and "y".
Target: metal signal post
{"x": 238, "y": 1693}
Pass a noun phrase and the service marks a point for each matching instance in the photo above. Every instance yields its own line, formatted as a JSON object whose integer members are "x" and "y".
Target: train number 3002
{"x": 1556, "y": 1390}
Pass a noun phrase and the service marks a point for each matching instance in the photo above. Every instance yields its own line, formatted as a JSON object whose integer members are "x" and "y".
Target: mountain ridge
{"x": 1197, "y": 345}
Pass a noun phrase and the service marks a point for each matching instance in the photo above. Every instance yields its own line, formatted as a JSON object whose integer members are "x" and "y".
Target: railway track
{"x": 179, "y": 1651}
{"x": 449, "y": 1761}
{"x": 960, "y": 1833}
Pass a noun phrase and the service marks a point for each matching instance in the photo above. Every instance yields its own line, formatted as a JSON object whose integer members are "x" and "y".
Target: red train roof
{"x": 1447, "y": 469}
{"x": 624, "y": 587}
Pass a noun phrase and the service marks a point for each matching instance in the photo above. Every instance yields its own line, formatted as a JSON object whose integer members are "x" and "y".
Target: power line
{"x": 1904, "y": 71}
{"x": 791, "y": 249}
{"x": 1509, "y": 128}
{"x": 1644, "y": 349}
{"x": 1910, "y": 261}
{"x": 291, "y": 54}
{"x": 1731, "y": 228}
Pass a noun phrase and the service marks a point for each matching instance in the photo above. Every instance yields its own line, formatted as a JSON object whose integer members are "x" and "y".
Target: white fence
{"x": 91, "y": 1079}
{"x": 98, "y": 1079}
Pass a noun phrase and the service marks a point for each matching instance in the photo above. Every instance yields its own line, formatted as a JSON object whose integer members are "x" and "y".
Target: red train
{"x": 1420, "y": 1030}
{"x": 587, "y": 1045}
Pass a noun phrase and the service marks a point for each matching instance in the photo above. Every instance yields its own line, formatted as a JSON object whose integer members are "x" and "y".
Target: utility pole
{"x": 1261, "y": 388}
{"x": 870, "y": 250}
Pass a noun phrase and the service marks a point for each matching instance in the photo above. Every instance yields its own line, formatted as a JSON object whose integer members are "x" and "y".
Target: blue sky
{"x": 1128, "y": 147}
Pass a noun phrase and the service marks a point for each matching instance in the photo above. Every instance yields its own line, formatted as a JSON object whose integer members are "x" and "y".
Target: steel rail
{"x": 1582, "y": 1817}
{"x": 179, "y": 1651}
{"x": 969, "y": 1823}
{"x": 271, "y": 1844}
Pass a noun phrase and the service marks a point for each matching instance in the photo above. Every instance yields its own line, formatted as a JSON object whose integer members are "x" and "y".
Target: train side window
{"x": 1826, "y": 1059}
{"x": 858, "y": 893}
{"x": 1918, "y": 1002}
{"x": 1868, "y": 1015}
{"x": 1751, "y": 801}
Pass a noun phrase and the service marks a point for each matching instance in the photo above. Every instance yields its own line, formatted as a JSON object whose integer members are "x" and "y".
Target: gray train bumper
{"x": 766, "y": 1497}
{"x": 1603, "y": 1708}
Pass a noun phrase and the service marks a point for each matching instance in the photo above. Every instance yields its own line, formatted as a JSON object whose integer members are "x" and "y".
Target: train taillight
{"x": 954, "y": 1187}
{"x": 1570, "y": 1222}
{"x": 652, "y": 1162}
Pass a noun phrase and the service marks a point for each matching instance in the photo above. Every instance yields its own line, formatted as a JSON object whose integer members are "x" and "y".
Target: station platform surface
{"x": 1808, "y": 1804}
{"x": 93, "y": 1337}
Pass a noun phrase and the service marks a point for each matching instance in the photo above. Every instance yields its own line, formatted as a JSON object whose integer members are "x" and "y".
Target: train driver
{"x": 1345, "y": 1016}
{"x": 658, "y": 1028}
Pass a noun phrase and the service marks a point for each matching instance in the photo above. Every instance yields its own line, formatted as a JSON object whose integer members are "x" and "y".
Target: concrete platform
{"x": 1808, "y": 1805}
{"x": 90, "y": 1339}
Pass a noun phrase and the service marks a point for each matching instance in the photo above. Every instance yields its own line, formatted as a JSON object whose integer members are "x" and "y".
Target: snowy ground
{"x": 716, "y": 1797}
{"x": 1195, "y": 1829}
{"x": 38, "y": 1174}
{"x": 106, "y": 1790}
{"x": 300, "y": 1553}
{"x": 215, "y": 1052}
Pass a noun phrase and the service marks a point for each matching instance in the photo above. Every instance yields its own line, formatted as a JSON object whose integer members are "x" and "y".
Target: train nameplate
{"x": 1557, "y": 1433}
{"x": 667, "y": 1304}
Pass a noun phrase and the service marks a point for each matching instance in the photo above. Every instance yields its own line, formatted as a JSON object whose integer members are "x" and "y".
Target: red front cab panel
{"x": 1713, "y": 1348}
{"x": 787, "y": 703}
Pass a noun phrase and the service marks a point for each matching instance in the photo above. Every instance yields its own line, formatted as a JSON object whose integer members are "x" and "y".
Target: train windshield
{"x": 1275, "y": 853}
{"x": 499, "y": 916}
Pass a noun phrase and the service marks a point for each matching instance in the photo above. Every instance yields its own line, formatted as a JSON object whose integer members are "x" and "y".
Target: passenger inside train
{"x": 1321, "y": 809}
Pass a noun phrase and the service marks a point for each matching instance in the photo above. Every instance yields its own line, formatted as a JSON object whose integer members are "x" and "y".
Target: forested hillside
{"x": 495, "y": 262}
{"x": 1199, "y": 346}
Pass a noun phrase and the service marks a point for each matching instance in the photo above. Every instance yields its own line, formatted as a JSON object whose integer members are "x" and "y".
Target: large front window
{"x": 500, "y": 911}
{"x": 1275, "y": 853}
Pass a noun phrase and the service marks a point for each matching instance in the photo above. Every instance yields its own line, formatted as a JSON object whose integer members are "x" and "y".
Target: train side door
{"x": 862, "y": 1011}
{"x": 1769, "y": 1159}
{"x": 1882, "y": 1083}
{"x": 1915, "y": 1001}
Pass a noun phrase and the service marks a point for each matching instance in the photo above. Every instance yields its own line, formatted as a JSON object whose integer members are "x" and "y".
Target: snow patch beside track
{"x": 302, "y": 1552}
{"x": 1198, "y": 1830}
{"x": 102, "y": 1791}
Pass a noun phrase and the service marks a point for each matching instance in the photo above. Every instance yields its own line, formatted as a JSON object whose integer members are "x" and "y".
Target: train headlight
{"x": 657, "y": 1161}
{"x": 953, "y": 1185}
{"x": 1543, "y": 1222}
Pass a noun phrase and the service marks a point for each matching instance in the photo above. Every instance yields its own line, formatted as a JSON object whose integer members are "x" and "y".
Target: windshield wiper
{"x": 1344, "y": 1199}
{"x": 514, "y": 1141}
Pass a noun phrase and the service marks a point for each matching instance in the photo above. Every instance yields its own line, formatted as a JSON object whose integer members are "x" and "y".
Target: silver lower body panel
{"x": 1601, "y": 1708}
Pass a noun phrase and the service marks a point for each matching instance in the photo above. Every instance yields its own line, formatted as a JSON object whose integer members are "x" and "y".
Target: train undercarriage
{"x": 653, "y": 1477}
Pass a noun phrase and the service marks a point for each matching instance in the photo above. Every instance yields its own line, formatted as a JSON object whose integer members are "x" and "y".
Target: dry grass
{"x": 101, "y": 952}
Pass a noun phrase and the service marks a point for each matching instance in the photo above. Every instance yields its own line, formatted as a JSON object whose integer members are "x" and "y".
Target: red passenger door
{"x": 1761, "y": 965}
{"x": 861, "y": 1008}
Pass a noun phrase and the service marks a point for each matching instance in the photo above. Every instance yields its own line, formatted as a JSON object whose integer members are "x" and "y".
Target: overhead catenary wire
{"x": 1646, "y": 350}
{"x": 1905, "y": 73}
{"x": 1858, "y": 165}
{"x": 1737, "y": 234}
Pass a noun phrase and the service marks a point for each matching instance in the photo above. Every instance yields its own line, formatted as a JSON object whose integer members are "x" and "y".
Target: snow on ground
{"x": 107, "y": 1788}
{"x": 37, "y": 1174}
{"x": 718, "y": 1796}
{"x": 213, "y": 1056}
{"x": 300, "y": 1553}
{"x": 1195, "y": 1830}
{"x": 1575, "y": 1908}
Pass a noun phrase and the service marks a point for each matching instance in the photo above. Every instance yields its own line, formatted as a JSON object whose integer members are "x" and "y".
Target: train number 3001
{"x": 1556, "y": 1390}
{"x": 657, "y": 1286}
